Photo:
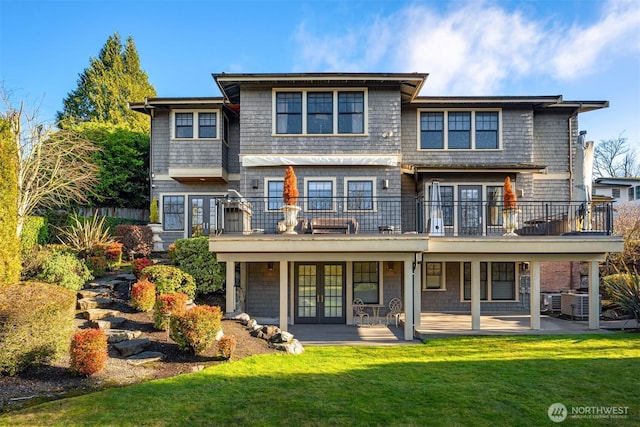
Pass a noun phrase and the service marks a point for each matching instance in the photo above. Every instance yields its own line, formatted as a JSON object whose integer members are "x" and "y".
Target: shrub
{"x": 86, "y": 235}
{"x": 137, "y": 240}
{"x": 193, "y": 256}
{"x": 196, "y": 329}
{"x": 34, "y": 258}
{"x": 65, "y": 270}
{"x": 171, "y": 252}
{"x": 290, "y": 190}
{"x": 113, "y": 253}
{"x": 624, "y": 289}
{"x": 167, "y": 304}
{"x": 35, "y": 231}
{"x": 9, "y": 161}
{"x": 137, "y": 265}
{"x": 170, "y": 279}
{"x": 36, "y": 324}
{"x": 143, "y": 295}
{"x": 154, "y": 216}
{"x": 227, "y": 346}
{"x": 97, "y": 265}
{"x": 88, "y": 351}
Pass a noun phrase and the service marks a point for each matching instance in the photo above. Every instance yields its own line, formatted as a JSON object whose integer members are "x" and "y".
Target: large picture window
{"x": 359, "y": 194}
{"x": 327, "y": 112}
{"x": 497, "y": 281}
{"x": 459, "y": 130}
{"x": 173, "y": 213}
{"x": 366, "y": 282}
{"x": 320, "y": 195}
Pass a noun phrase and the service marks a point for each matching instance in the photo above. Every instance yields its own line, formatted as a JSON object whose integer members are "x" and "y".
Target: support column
{"x": 594, "y": 295}
{"x": 231, "y": 287}
{"x": 534, "y": 295}
{"x": 408, "y": 303}
{"x": 475, "y": 295}
{"x": 284, "y": 296}
{"x": 417, "y": 295}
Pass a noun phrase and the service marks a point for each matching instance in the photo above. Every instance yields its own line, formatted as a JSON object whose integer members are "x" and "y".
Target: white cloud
{"x": 474, "y": 48}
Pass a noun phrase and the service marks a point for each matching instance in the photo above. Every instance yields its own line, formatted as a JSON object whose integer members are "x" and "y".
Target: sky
{"x": 584, "y": 50}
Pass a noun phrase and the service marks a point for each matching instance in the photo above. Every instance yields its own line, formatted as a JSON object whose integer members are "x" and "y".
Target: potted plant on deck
{"x": 290, "y": 198}
{"x": 509, "y": 211}
{"x": 155, "y": 226}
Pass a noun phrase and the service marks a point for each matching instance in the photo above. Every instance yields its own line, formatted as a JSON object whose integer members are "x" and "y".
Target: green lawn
{"x": 472, "y": 381}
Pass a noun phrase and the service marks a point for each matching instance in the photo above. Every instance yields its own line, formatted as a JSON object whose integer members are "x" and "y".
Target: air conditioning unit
{"x": 576, "y": 305}
{"x": 550, "y": 302}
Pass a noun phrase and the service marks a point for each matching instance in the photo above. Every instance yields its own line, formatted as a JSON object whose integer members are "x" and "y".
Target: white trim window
{"x": 173, "y": 213}
{"x": 360, "y": 194}
{"x": 320, "y": 112}
{"x": 498, "y": 281}
{"x": 195, "y": 124}
{"x": 366, "y": 281}
{"x": 273, "y": 189}
{"x": 320, "y": 194}
{"x": 459, "y": 129}
{"x": 434, "y": 276}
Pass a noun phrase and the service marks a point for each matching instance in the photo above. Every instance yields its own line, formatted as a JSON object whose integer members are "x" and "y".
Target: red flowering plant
{"x": 167, "y": 304}
{"x": 88, "y": 351}
{"x": 143, "y": 295}
{"x": 227, "y": 346}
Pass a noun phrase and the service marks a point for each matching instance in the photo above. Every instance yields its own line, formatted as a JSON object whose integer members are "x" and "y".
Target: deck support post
{"x": 534, "y": 295}
{"x": 408, "y": 297}
{"x": 475, "y": 295}
{"x": 594, "y": 295}
{"x": 284, "y": 296}
{"x": 231, "y": 287}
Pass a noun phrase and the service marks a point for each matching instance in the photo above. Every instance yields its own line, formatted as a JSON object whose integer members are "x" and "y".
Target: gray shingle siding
{"x": 262, "y": 294}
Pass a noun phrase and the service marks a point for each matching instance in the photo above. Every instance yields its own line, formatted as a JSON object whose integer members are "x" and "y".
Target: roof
{"x": 536, "y": 102}
{"x": 475, "y": 167}
{"x": 150, "y": 104}
{"x": 617, "y": 182}
{"x": 410, "y": 83}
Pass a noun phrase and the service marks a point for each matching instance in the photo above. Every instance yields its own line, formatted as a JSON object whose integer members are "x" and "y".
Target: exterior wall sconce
{"x": 524, "y": 266}
{"x": 255, "y": 183}
{"x": 385, "y": 184}
{"x": 270, "y": 266}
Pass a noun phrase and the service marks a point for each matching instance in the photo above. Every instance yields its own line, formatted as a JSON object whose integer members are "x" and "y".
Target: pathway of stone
{"x": 96, "y": 302}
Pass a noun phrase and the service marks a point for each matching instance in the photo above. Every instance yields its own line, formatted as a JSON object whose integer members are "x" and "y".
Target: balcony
{"x": 406, "y": 216}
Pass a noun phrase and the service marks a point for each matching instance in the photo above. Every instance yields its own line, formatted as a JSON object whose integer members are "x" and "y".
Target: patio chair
{"x": 395, "y": 309}
{"x": 359, "y": 313}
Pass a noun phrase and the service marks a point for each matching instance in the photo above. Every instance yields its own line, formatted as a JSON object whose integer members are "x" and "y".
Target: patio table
{"x": 375, "y": 310}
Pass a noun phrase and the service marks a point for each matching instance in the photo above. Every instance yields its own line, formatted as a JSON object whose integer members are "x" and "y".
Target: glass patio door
{"x": 203, "y": 215}
{"x": 470, "y": 210}
{"x": 320, "y": 293}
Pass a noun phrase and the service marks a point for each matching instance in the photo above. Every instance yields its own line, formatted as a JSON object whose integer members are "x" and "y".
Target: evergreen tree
{"x": 112, "y": 80}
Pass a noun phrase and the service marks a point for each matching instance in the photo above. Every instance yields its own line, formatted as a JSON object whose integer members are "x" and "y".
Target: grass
{"x": 478, "y": 381}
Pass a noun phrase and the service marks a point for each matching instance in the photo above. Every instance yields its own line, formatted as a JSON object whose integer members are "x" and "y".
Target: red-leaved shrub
{"x": 227, "y": 346}
{"x": 137, "y": 240}
{"x": 167, "y": 304}
{"x": 113, "y": 252}
{"x": 143, "y": 295}
{"x": 137, "y": 265}
{"x": 88, "y": 351}
{"x": 196, "y": 329}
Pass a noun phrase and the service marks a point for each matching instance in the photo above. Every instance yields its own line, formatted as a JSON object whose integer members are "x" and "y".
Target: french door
{"x": 320, "y": 293}
{"x": 470, "y": 211}
{"x": 203, "y": 215}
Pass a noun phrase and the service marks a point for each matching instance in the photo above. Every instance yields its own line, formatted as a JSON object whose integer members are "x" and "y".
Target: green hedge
{"x": 9, "y": 253}
{"x": 193, "y": 256}
{"x": 65, "y": 270}
{"x": 35, "y": 231}
{"x": 36, "y": 324}
{"x": 170, "y": 280}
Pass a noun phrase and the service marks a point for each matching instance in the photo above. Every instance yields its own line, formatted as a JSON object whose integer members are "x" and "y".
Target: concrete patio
{"x": 439, "y": 325}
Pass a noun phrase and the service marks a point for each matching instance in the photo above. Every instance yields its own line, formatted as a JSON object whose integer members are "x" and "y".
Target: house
{"x": 401, "y": 195}
{"x": 622, "y": 190}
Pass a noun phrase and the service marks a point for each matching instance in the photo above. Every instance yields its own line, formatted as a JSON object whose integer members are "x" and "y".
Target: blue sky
{"x": 581, "y": 49}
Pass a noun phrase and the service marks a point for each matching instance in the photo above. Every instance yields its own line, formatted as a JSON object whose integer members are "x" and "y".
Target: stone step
{"x": 118, "y": 335}
{"x": 108, "y": 322}
{"x": 94, "y": 292}
{"x": 98, "y": 285}
{"x": 131, "y": 347}
{"x": 98, "y": 302}
{"x": 127, "y": 277}
{"x": 145, "y": 357}
{"x": 99, "y": 313}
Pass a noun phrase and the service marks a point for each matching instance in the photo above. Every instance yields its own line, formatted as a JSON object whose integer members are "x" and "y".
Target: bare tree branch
{"x": 614, "y": 158}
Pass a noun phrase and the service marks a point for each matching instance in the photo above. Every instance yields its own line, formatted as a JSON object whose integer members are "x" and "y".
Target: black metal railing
{"x": 395, "y": 215}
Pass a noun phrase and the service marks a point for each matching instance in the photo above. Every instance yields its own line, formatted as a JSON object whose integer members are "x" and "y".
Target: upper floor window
{"x": 615, "y": 193}
{"x": 274, "y": 194}
{"x": 311, "y": 112}
{"x": 195, "y": 124}
{"x": 459, "y": 130}
{"x": 320, "y": 194}
{"x": 360, "y": 194}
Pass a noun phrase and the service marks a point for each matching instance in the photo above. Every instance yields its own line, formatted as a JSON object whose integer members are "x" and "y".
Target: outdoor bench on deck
{"x": 334, "y": 225}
